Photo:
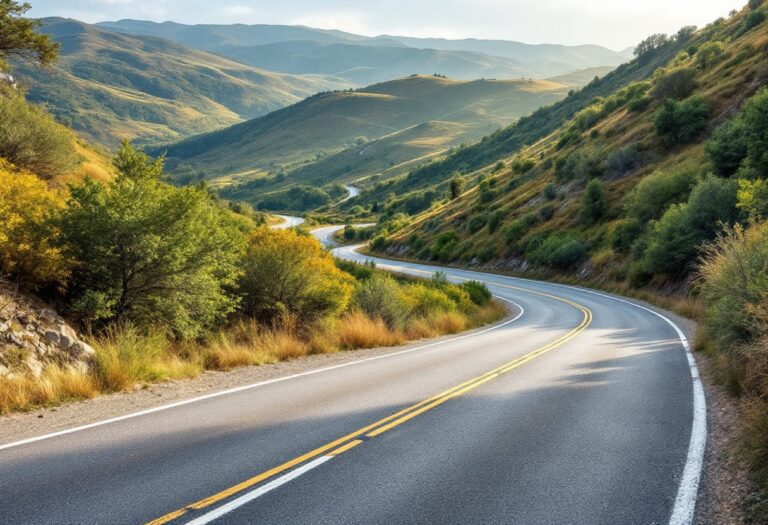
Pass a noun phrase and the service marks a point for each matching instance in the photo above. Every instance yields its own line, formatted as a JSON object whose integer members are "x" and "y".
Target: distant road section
{"x": 352, "y": 192}
{"x": 288, "y": 222}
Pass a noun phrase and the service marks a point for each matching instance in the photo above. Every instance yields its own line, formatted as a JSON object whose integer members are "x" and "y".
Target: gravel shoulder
{"x": 25, "y": 425}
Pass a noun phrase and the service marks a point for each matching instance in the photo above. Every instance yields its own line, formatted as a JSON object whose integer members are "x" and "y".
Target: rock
{"x": 86, "y": 351}
{"x": 52, "y": 337}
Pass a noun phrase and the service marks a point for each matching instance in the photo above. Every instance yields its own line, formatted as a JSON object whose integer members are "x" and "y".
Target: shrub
{"x": 623, "y": 160}
{"x": 578, "y": 166}
{"x": 639, "y": 104}
{"x": 147, "y": 252}
{"x": 287, "y": 273}
{"x": 546, "y": 212}
{"x": 676, "y": 238}
{"x": 477, "y": 223}
{"x": 495, "y": 221}
{"x": 478, "y": 292}
{"x": 753, "y": 199}
{"x": 522, "y": 165}
{"x": 424, "y": 301}
{"x": 31, "y": 139}
{"x": 728, "y": 147}
{"x": 27, "y": 254}
{"x": 709, "y": 54}
{"x": 457, "y": 186}
{"x": 593, "y": 203}
{"x": 681, "y": 122}
{"x": 656, "y": 192}
{"x": 518, "y": 228}
{"x": 755, "y": 116}
{"x": 754, "y": 19}
{"x": 560, "y": 250}
{"x": 550, "y": 191}
{"x": 755, "y": 4}
{"x": 380, "y": 298}
{"x": 623, "y": 235}
{"x": 676, "y": 84}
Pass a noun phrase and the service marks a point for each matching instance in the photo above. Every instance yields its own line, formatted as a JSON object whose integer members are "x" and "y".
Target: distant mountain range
{"x": 110, "y": 85}
{"x": 364, "y": 60}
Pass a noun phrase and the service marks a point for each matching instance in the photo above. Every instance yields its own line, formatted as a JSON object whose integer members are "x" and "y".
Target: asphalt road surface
{"x": 288, "y": 222}
{"x": 579, "y": 409}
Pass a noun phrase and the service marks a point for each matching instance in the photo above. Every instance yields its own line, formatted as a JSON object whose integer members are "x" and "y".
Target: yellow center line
{"x": 352, "y": 440}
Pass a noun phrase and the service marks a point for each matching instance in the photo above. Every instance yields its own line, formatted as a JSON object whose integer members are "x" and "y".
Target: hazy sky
{"x": 614, "y": 23}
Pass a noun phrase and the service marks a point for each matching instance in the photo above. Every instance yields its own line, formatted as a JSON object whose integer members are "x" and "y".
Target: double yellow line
{"x": 349, "y": 441}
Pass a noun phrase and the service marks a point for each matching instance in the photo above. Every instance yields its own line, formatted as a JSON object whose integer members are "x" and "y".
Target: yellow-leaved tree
{"x": 27, "y": 254}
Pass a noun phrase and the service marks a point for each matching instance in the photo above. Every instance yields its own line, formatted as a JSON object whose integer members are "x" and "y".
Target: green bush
{"x": 425, "y": 301}
{"x": 675, "y": 240}
{"x": 495, "y": 221}
{"x": 550, "y": 191}
{"x": 578, "y": 166}
{"x": 656, "y": 192}
{"x": 147, "y": 252}
{"x": 624, "y": 160}
{"x": 518, "y": 228}
{"x": 31, "y": 139}
{"x": 522, "y": 165}
{"x": 477, "y": 223}
{"x": 478, "y": 292}
{"x": 594, "y": 204}
{"x": 681, "y": 122}
{"x": 755, "y": 117}
{"x": 728, "y": 147}
{"x": 623, "y": 235}
{"x": 380, "y": 298}
{"x": 560, "y": 250}
{"x": 754, "y": 19}
{"x": 676, "y": 84}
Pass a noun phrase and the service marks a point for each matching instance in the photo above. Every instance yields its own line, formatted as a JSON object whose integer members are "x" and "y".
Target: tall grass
{"x": 127, "y": 357}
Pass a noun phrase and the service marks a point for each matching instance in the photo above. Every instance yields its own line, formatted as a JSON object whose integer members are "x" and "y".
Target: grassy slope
{"x": 110, "y": 86}
{"x": 725, "y": 87}
{"x": 385, "y": 113}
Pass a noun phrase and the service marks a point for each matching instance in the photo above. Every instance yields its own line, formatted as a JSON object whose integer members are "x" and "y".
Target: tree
{"x": 457, "y": 186}
{"x": 593, "y": 203}
{"x": 678, "y": 84}
{"x": 148, "y": 253}
{"x": 649, "y": 45}
{"x": 19, "y": 37}
{"x": 728, "y": 147}
{"x": 290, "y": 274}
{"x": 675, "y": 240}
{"x": 709, "y": 54}
{"x": 755, "y": 115}
{"x": 681, "y": 122}
{"x": 27, "y": 253}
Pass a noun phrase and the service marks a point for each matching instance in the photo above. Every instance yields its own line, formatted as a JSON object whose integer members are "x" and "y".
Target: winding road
{"x": 581, "y": 408}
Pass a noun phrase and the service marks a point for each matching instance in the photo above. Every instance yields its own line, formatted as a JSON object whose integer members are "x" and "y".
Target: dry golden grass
{"x": 356, "y": 330}
{"x": 419, "y": 329}
{"x": 55, "y": 385}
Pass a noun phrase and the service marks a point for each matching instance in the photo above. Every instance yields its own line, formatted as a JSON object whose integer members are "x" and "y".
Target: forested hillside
{"x": 109, "y": 86}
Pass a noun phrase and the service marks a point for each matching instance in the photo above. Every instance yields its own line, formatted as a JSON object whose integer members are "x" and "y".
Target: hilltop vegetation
{"x": 109, "y": 86}
{"x": 383, "y": 125}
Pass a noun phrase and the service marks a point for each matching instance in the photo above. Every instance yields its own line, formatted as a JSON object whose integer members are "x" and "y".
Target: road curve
{"x": 579, "y": 409}
{"x": 288, "y": 222}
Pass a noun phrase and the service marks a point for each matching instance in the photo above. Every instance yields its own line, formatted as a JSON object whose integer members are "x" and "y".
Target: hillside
{"x": 372, "y": 122}
{"x": 110, "y": 86}
{"x": 297, "y": 49}
{"x": 596, "y": 196}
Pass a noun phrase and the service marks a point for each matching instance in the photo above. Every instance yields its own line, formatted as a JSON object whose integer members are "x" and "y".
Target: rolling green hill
{"x": 109, "y": 86}
{"x": 624, "y": 187}
{"x": 363, "y": 131}
{"x": 365, "y": 60}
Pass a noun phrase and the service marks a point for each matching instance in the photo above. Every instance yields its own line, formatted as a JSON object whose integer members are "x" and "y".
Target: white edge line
{"x": 257, "y": 493}
{"x": 684, "y": 509}
{"x": 243, "y": 388}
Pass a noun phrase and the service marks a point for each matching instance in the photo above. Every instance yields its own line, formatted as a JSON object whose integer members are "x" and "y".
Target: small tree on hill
{"x": 457, "y": 186}
{"x": 19, "y": 37}
{"x": 593, "y": 203}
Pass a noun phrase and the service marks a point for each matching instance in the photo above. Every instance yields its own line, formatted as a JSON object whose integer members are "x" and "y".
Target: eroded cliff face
{"x": 32, "y": 337}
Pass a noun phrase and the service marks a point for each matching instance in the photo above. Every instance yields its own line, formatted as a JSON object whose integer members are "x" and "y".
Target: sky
{"x": 616, "y": 24}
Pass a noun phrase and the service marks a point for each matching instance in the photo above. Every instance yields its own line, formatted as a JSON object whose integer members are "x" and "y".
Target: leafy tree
{"x": 31, "y": 139}
{"x": 709, "y": 54}
{"x": 755, "y": 4}
{"x": 677, "y": 237}
{"x": 656, "y": 192}
{"x": 681, "y": 122}
{"x": 290, "y": 274}
{"x": 19, "y": 37}
{"x": 561, "y": 250}
{"x": 148, "y": 253}
{"x": 27, "y": 254}
{"x": 753, "y": 199}
{"x": 755, "y": 116}
{"x": 728, "y": 147}
{"x": 647, "y": 47}
{"x": 754, "y": 19}
{"x": 593, "y": 203}
{"x": 678, "y": 84}
{"x": 457, "y": 186}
